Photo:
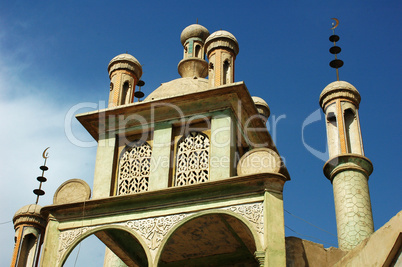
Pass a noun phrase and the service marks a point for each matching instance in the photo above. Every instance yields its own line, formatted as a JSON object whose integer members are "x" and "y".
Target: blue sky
{"x": 54, "y": 56}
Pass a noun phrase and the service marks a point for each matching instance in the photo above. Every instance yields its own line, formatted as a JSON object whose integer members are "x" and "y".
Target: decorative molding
{"x": 254, "y": 213}
{"x": 68, "y": 237}
{"x": 260, "y": 256}
{"x": 154, "y": 230}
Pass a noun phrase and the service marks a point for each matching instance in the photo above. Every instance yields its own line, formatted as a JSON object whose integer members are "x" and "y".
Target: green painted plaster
{"x": 222, "y": 151}
{"x": 50, "y": 245}
{"x": 104, "y": 167}
{"x": 275, "y": 251}
{"x": 160, "y": 159}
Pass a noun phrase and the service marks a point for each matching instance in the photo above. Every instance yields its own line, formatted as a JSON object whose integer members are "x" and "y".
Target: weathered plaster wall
{"x": 380, "y": 249}
{"x": 301, "y": 253}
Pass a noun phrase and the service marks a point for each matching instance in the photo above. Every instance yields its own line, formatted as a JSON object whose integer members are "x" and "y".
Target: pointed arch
{"x": 28, "y": 251}
{"x": 332, "y": 131}
{"x": 226, "y": 72}
{"x": 352, "y": 131}
{"x": 198, "y": 51}
{"x": 125, "y": 93}
{"x": 206, "y": 229}
{"x": 133, "y": 244}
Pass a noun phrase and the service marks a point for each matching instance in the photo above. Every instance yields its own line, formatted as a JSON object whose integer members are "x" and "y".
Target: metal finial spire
{"x": 197, "y": 21}
{"x": 139, "y": 94}
{"x": 39, "y": 192}
{"x": 336, "y": 63}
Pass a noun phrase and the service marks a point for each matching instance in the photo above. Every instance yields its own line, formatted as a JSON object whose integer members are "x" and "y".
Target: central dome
{"x": 178, "y": 87}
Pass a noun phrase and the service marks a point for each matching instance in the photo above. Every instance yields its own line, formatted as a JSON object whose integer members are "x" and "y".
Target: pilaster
{"x": 222, "y": 146}
{"x": 274, "y": 234}
{"x": 104, "y": 167}
{"x": 160, "y": 159}
{"x": 51, "y": 243}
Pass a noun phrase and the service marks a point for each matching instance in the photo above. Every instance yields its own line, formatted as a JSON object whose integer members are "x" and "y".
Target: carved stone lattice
{"x": 134, "y": 169}
{"x": 192, "y": 160}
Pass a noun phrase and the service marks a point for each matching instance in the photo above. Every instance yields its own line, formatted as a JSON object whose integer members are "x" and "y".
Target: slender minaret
{"x": 221, "y": 48}
{"x": 193, "y": 63}
{"x": 348, "y": 169}
{"x": 124, "y": 72}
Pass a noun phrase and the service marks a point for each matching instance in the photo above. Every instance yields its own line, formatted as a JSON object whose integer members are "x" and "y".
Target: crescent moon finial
{"x": 336, "y": 25}
{"x": 45, "y": 154}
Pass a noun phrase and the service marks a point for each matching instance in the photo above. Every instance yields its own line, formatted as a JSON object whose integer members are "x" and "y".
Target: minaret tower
{"x": 124, "y": 72}
{"x": 222, "y": 49}
{"x": 348, "y": 169}
{"x": 193, "y": 63}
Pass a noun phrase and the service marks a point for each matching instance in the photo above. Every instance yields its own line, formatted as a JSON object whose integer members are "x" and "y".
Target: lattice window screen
{"x": 134, "y": 168}
{"x": 192, "y": 160}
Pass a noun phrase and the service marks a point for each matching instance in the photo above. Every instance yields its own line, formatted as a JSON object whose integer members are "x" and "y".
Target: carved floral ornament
{"x": 192, "y": 159}
{"x": 154, "y": 230}
{"x": 134, "y": 168}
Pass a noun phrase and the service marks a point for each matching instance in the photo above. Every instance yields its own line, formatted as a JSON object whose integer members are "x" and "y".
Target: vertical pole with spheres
{"x": 348, "y": 169}
{"x": 29, "y": 227}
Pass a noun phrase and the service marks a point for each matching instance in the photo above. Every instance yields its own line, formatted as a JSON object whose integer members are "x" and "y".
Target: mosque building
{"x": 190, "y": 176}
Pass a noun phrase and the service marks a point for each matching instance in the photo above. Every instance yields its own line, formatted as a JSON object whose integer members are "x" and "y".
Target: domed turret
{"x": 221, "y": 49}
{"x": 222, "y": 38}
{"x": 339, "y": 89}
{"x": 29, "y": 227}
{"x": 193, "y": 64}
{"x": 29, "y": 214}
{"x": 124, "y": 72}
{"x": 262, "y": 107}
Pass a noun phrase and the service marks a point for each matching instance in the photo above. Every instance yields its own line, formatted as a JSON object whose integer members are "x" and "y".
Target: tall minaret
{"x": 221, "y": 48}
{"x": 124, "y": 72}
{"x": 348, "y": 169}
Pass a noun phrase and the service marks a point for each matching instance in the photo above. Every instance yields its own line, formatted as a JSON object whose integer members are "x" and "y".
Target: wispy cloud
{"x": 32, "y": 119}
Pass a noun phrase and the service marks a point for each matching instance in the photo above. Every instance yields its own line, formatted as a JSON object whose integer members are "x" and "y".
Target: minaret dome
{"x": 262, "y": 107}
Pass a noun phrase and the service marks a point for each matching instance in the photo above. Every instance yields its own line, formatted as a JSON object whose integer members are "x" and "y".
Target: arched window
{"x": 27, "y": 255}
{"x": 352, "y": 132}
{"x": 226, "y": 74}
{"x": 192, "y": 159}
{"x": 198, "y": 51}
{"x": 134, "y": 168}
{"x": 333, "y": 135}
{"x": 125, "y": 94}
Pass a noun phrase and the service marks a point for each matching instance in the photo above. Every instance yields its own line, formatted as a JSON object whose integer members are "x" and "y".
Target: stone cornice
{"x": 347, "y": 162}
{"x": 30, "y": 220}
{"x": 222, "y": 43}
{"x": 231, "y": 188}
{"x": 126, "y": 65}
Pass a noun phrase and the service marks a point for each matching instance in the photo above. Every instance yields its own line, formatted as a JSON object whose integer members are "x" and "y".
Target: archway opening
{"x": 122, "y": 249}
{"x": 210, "y": 240}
